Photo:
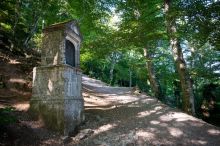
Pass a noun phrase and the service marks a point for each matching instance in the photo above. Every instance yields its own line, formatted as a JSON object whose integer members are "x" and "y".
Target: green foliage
{"x": 6, "y": 116}
{"x": 22, "y": 21}
{"x": 201, "y": 21}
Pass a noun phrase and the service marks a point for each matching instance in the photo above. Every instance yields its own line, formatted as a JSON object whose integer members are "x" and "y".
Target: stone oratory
{"x": 57, "y": 83}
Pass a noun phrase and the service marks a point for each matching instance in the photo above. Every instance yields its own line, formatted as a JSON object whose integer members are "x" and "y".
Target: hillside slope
{"x": 16, "y": 78}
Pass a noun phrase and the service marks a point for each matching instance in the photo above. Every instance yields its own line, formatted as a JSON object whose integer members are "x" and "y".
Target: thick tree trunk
{"x": 186, "y": 87}
{"x": 152, "y": 77}
{"x": 177, "y": 89}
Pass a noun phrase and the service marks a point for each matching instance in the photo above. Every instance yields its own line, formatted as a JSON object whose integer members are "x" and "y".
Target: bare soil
{"x": 16, "y": 77}
{"x": 115, "y": 116}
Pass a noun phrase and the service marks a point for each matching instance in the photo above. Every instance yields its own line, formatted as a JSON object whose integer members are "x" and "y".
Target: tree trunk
{"x": 111, "y": 72}
{"x": 130, "y": 77}
{"x": 192, "y": 51}
{"x": 152, "y": 77}
{"x": 177, "y": 89}
{"x": 16, "y": 17}
{"x": 114, "y": 58}
{"x": 186, "y": 87}
{"x": 32, "y": 32}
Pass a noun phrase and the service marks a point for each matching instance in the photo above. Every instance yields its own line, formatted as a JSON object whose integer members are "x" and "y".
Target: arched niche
{"x": 70, "y": 53}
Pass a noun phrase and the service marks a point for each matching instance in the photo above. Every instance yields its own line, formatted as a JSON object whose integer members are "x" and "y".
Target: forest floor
{"x": 114, "y": 116}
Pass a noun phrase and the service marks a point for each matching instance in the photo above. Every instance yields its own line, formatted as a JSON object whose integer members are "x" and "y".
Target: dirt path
{"x": 117, "y": 116}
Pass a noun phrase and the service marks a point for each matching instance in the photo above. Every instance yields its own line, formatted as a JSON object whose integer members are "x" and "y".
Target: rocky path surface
{"x": 116, "y": 116}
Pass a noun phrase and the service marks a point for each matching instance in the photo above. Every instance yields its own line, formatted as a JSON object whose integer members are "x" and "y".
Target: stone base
{"x": 57, "y": 97}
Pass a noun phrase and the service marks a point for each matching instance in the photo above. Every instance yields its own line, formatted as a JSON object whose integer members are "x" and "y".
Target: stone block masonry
{"x": 57, "y": 97}
{"x": 57, "y": 83}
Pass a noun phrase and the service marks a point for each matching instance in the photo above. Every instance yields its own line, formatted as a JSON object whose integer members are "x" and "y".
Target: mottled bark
{"x": 186, "y": 87}
{"x": 152, "y": 77}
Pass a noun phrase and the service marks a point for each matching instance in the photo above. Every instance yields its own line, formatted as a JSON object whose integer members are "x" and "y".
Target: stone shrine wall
{"x": 57, "y": 97}
{"x": 53, "y": 48}
{"x": 54, "y": 44}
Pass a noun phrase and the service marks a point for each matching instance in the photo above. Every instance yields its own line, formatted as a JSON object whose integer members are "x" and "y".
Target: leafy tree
{"x": 139, "y": 29}
{"x": 186, "y": 85}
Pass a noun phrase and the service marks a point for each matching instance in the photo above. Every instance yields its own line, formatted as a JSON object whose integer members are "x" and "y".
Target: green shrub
{"x": 6, "y": 116}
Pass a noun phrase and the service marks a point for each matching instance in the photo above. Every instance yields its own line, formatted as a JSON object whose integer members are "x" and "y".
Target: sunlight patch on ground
{"x": 145, "y": 134}
{"x": 122, "y": 99}
{"x": 12, "y": 61}
{"x": 95, "y": 102}
{"x": 105, "y": 128}
{"x": 21, "y": 106}
{"x": 147, "y": 113}
{"x": 92, "y": 82}
{"x": 179, "y": 117}
{"x": 133, "y": 105}
{"x": 175, "y": 132}
{"x": 199, "y": 142}
{"x": 155, "y": 122}
{"x": 182, "y": 117}
{"x": 214, "y": 132}
{"x": 17, "y": 80}
{"x": 158, "y": 113}
{"x": 2, "y": 106}
{"x": 165, "y": 118}
{"x": 148, "y": 100}
{"x": 158, "y": 108}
